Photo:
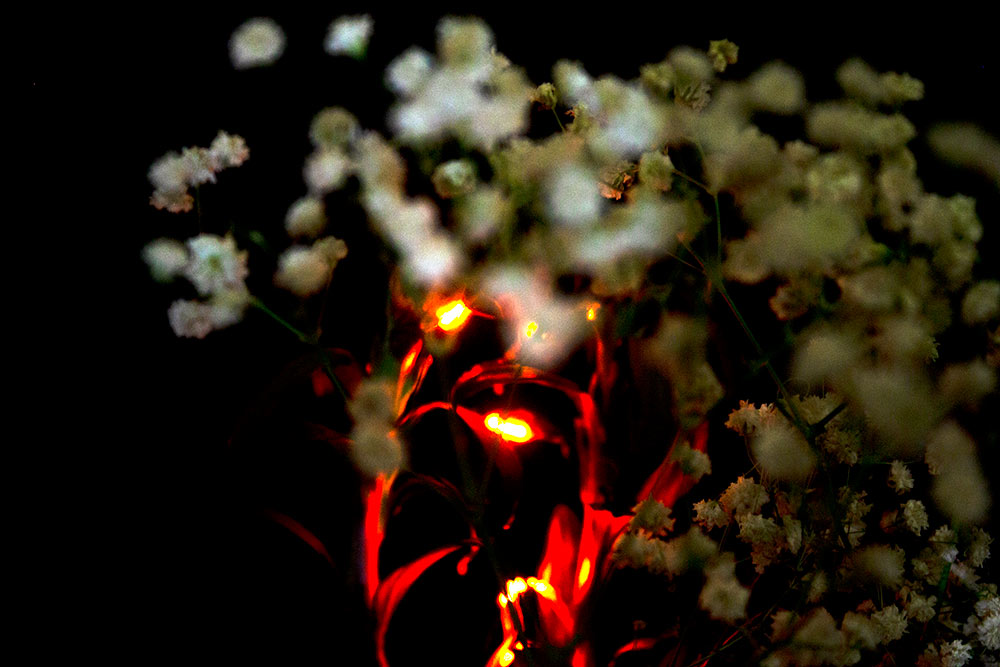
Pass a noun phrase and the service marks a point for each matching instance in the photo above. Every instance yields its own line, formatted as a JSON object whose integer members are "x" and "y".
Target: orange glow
{"x": 452, "y": 315}
{"x": 506, "y": 659}
{"x": 410, "y": 357}
{"x": 502, "y": 600}
{"x": 592, "y": 311}
{"x": 530, "y": 329}
{"x": 584, "y": 573}
{"x": 511, "y": 429}
{"x": 515, "y": 587}
{"x": 519, "y": 646}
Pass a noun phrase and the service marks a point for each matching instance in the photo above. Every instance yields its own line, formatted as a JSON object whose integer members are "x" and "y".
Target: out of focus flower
{"x": 981, "y": 303}
{"x": 166, "y": 258}
{"x": 305, "y": 218}
{"x": 723, "y": 596}
{"x": 307, "y": 270}
{"x": 334, "y": 128}
{"x": 228, "y": 150}
{"x": 409, "y": 71}
{"x": 326, "y": 170}
{"x": 967, "y": 146}
{"x": 900, "y": 478}
{"x": 349, "y": 36}
{"x": 257, "y": 42}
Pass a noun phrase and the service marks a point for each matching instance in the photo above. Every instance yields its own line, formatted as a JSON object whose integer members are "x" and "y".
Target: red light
{"x": 510, "y": 429}
{"x": 452, "y": 315}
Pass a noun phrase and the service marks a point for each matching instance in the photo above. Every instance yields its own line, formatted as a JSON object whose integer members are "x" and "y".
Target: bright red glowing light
{"x": 452, "y": 315}
{"x": 510, "y": 429}
{"x": 374, "y": 532}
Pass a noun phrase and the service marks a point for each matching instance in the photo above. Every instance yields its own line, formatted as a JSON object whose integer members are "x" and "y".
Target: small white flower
{"x": 215, "y": 264}
{"x": 723, "y": 597}
{"x": 349, "y": 36}
{"x": 915, "y": 515}
{"x": 572, "y": 196}
{"x": 166, "y": 258}
{"x": 228, "y": 150}
{"x": 302, "y": 271}
{"x": 190, "y": 319}
{"x": 306, "y": 217}
{"x": 326, "y": 170}
{"x": 409, "y": 71}
{"x": 433, "y": 260}
{"x": 257, "y": 42}
{"x": 900, "y": 477}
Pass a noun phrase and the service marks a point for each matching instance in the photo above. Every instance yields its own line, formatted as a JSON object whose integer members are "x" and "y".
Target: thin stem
{"x": 558, "y": 120}
{"x": 694, "y": 181}
{"x": 257, "y": 303}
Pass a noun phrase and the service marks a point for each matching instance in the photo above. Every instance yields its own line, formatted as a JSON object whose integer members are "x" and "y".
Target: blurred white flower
{"x": 190, "y": 319}
{"x": 228, "y": 150}
{"x": 723, "y": 596}
{"x": 572, "y": 197}
{"x": 166, "y": 258}
{"x": 349, "y": 36}
{"x": 302, "y": 271}
{"x": 409, "y": 71}
{"x": 783, "y": 452}
{"x": 432, "y": 260}
{"x": 981, "y": 303}
{"x": 257, "y": 42}
{"x": 305, "y": 218}
{"x": 326, "y": 170}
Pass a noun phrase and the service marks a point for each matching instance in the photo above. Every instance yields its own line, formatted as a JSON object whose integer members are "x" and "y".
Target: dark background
{"x": 155, "y": 529}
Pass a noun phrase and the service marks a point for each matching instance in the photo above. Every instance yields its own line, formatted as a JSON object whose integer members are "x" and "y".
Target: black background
{"x": 151, "y": 532}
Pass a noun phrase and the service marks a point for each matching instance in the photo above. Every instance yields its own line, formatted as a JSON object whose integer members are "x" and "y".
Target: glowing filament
{"x": 530, "y": 329}
{"x": 584, "y": 572}
{"x": 452, "y": 315}
{"x": 592, "y": 311}
{"x": 506, "y": 658}
{"x": 511, "y": 429}
{"x": 515, "y": 587}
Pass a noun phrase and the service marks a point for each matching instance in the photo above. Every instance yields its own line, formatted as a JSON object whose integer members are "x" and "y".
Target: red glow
{"x": 584, "y": 576}
{"x": 452, "y": 315}
{"x": 411, "y": 357}
{"x": 592, "y": 311}
{"x": 511, "y": 429}
{"x": 373, "y": 535}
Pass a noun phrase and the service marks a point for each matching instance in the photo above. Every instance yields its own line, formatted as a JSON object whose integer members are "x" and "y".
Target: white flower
{"x": 215, "y": 264}
{"x": 257, "y": 42}
{"x": 326, "y": 170}
{"x": 891, "y": 622}
{"x": 900, "y": 477}
{"x": 572, "y": 197}
{"x": 915, "y": 515}
{"x": 349, "y": 35}
{"x": 306, "y": 217}
{"x": 166, "y": 258}
{"x": 955, "y": 653}
{"x": 653, "y": 516}
{"x": 409, "y": 71}
{"x": 881, "y": 563}
{"x": 783, "y": 452}
{"x": 228, "y": 150}
{"x": 723, "y": 597}
{"x": 743, "y": 497}
{"x": 709, "y": 513}
{"x": 920, "y": 608}
{"x": 190, "y": 319}
{"x": 981, "y": 302}
{"x": 432, "y": 260}
{"x": 302, "y": 271}
{"x": 376, "y": 450}
{"x": 305, "y": 271}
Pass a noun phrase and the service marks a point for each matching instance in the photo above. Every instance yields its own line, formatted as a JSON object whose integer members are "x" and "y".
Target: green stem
{"x": 558, "y": 120}
{"x": 257, "y": 303}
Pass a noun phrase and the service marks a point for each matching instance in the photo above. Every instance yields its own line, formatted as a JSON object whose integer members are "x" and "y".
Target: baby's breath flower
{"x": 326, "y": 170}
{"x": 334, "y": 127}
{"x": 921, "y": 608}
{"x": 900, "y": 478}
{"x": 709, "y": 513}
{"x": 653, "y": 516}
{"x": 861, "y": 631}
{"x": 722, "y": 596}
{"x": 766, "y": 538}
{"x": 257, "y": 42}
{"x": 166, "y": 259}
{"x": 722, "y": 52}
{"x": 693, "y": 462}
{"x": 228, "y": 150}
{"x": 967, "y": 383}
{"x": 636, "y": 550}
{"x": 783, "y": 452}
{"x": 853, "y": 128}
{"x": 981, "y": 303}
{"x": 409, "y": 71}
{"x": 967, "y": 145}
{"x": 865, "y": 84}
{"x": 305, "y": 218}
{"x": 818, "y": 584}
{"x": 302, "y": 271}
{"x": 891, "y": 622}
{"x": 979, "y": 550}
{"x": 546, "y": 96}
{"x": 880, "y": 563}
{"x": 572, "y": 196}
{"x": 454, "y": 178}
{"x": 376, "y": 450}
{"x": 656, "y": 170}
{"x": 776, "y": 88}
{"x": 743, "y": 497}
{"x": 915, "y": 515}
{"x": 190, "y": 319}
{"x": 215, "y": 264}
{"x": 955, "y": 653}
{"x": 464, "y": 42}
{"x": 349, "y": 36}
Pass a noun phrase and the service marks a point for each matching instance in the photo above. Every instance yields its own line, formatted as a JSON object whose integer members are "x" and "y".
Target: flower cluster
{"x": 609, "y": 240}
